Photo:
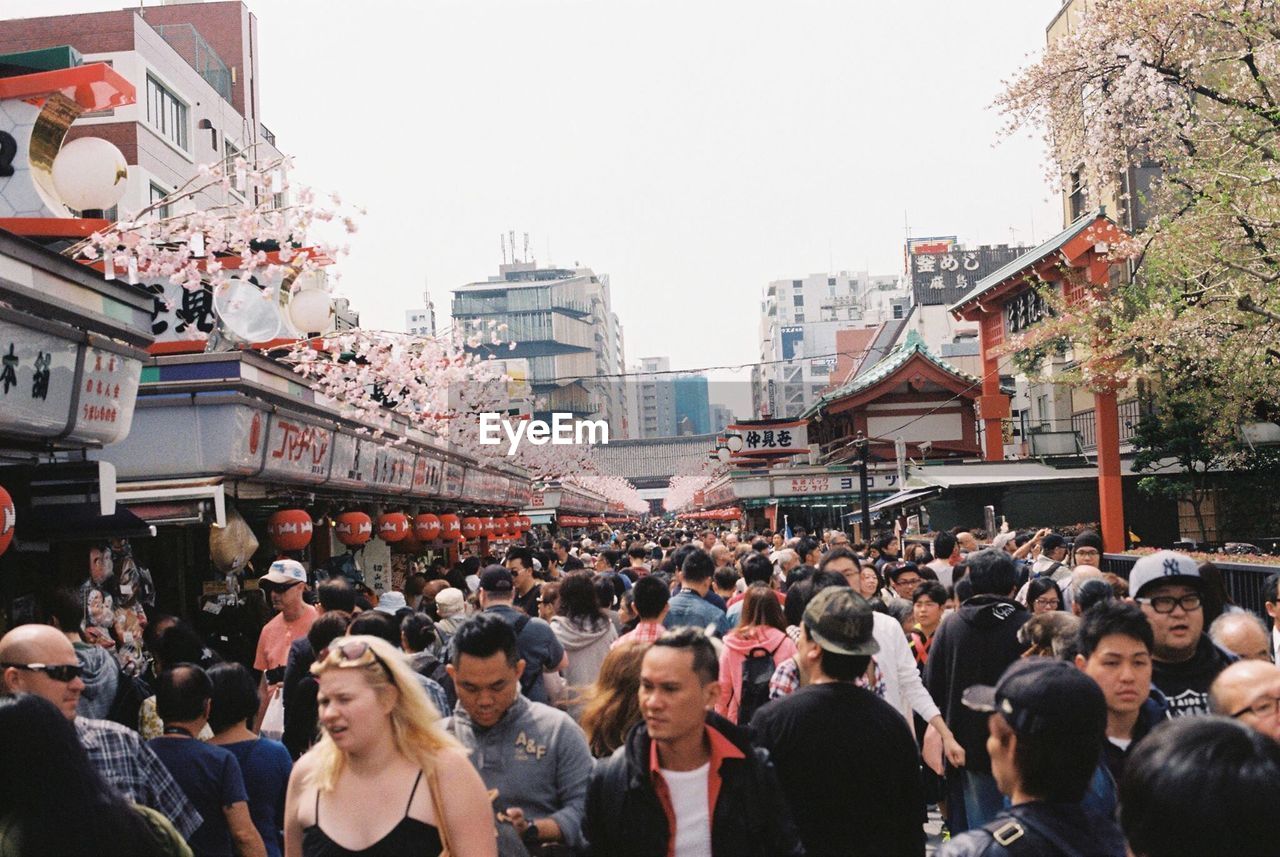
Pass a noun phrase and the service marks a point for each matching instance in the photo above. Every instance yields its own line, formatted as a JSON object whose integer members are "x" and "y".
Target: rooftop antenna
{"x": 906, "y": 244}
{"x": 511, "y": 237}
{"x": 503, "y": 241}
{"x": 526, "y": 246}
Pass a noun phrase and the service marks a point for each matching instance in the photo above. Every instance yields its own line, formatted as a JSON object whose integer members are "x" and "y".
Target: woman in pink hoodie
{"x": 755, "y": 648}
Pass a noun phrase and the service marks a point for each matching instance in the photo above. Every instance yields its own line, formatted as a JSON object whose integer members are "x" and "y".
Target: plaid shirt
{"x": 786, "y": 680}
{"x": 645, "y": 632}
{"x": 136, "y": 772}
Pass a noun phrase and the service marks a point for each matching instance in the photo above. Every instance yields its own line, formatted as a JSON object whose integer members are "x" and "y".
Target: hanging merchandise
{"x": 290, "y": 529}
{"x": 353, "y": 528}
{"x": 231, "y": 547}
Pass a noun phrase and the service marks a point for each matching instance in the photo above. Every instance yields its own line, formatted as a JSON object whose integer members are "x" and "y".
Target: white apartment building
{"x": 798, "y": 323}
{"x": 654, "y": 398}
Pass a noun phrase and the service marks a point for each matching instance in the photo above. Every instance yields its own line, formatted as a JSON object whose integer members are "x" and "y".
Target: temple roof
{"x": 1029, "y": 258}
{"x": 911, "y": 345}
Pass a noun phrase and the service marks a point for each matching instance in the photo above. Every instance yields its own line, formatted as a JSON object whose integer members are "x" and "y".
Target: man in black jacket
{"x": 1047, "y": 722}
{"x": 687, "y": 781}
{"x": 846, "y": 758}
{"x": 974, "y": 647}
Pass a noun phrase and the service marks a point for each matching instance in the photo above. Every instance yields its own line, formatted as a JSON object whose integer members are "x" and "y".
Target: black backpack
{"x": 130, "y": 693}
{"x": 757, "y": 670}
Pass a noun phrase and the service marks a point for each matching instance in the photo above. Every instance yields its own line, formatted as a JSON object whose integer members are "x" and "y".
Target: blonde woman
{"x": 384, "y": 771}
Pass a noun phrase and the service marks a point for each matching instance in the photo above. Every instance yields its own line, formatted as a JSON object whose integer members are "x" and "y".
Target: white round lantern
{"x": 90, "y": 174}
{"x": 735, "y": 443}
{"x": 309, "y": 311}
{"x": 247, "y": 312}
{"x": 723, "y": 453}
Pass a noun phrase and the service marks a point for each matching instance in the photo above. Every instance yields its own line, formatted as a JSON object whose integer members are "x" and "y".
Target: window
{"x": 1075, "y": 200}
{"x": 897, "y": 310}
{"x": 797, "y": 300}
{"x": 797, "y": 284}
{"x": 167, "y": 114}
{"x": 831, "y": 281}
{"x": 229, "y": 153}
{"x": 799, "y": 319}
{"x": 158, "y": 193}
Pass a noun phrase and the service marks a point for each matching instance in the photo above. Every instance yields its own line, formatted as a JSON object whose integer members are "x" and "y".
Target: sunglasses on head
{"x": 57, "y": 672}
{"x": 348, "y": 652}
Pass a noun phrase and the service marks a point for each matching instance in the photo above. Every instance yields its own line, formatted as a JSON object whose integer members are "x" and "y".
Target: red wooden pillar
{"x": 1110, "y": 487}
{"x": 993, "y": 405}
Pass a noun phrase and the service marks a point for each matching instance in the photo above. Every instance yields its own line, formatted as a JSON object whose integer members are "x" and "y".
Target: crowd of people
{"x": 667, "y": 692}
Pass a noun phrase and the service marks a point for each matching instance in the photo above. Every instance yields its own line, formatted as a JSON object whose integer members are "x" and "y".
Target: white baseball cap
{"x": 1163, "y": 567}
{"x": 285, "y": 572}
{"x": 391, "y": 602}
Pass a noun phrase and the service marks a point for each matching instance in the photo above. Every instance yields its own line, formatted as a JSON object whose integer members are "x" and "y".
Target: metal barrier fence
{"x": 1244, "y": 582}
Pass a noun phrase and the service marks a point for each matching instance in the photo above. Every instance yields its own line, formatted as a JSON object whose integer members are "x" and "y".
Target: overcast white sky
{"x": 692, "y": 150}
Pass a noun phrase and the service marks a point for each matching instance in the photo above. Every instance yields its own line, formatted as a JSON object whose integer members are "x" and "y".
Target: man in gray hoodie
{"x": 99, "y": 669}
{"x": 534, "y": 755}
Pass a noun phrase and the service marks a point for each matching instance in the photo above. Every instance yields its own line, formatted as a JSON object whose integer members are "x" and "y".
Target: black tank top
{"x": 410, "y": 836}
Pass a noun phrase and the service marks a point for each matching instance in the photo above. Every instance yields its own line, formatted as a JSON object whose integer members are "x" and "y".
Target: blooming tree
{"x": 1190, "y": 87}
{"x": 185, "y": 240}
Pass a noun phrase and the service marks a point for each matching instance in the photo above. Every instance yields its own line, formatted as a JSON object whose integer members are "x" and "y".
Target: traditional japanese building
{"x": 910, "y": 396}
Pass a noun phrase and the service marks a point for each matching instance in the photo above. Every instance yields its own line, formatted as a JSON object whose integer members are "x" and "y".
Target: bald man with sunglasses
{"x": 40, "y": 660}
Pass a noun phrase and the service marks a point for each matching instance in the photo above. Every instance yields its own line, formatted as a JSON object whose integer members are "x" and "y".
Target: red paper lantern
{"x": 490, "y": 526}
{"x": 526, "y": 523}
{"x": 513, "y": 527}
{"x": 450, "y": 528}
{"x": 290, "y": 529}
{"x": 353, "y": 528}
{"x": 393, "y": 526}
{"x": 8, "y": 520}
{"x": 472, "y": 528}
{"x": 426, "y": 527}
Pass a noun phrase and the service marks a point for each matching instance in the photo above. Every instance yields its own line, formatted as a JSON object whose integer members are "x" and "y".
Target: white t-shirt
{"x": 944, "y": 569}
{"x": 689, "y": 800}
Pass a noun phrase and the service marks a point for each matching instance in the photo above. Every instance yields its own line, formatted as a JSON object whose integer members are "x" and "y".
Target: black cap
{"x": 495, "y": 578}
{"x": 1044, "y": 696}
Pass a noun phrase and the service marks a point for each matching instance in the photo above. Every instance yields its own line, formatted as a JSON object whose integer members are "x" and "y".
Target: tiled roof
{"x": 653, "y": 458}
{"x": 911, "y": 345}
{"x": 1029, "y": 258}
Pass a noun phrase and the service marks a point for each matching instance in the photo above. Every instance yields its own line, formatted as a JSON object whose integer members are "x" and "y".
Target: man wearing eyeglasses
{"x": 1167, "y": 586}
{"x": 39, "y": 659}
{"x": 1249, "y": 691}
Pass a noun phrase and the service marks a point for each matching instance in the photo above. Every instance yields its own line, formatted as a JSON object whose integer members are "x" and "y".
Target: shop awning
{"x": 910, "y": 495}
{"x": 175, "y": 501}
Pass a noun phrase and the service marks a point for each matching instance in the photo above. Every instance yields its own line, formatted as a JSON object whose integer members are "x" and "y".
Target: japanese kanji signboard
{"x": 771, "y": 437}
{"x": 942, "y": 278}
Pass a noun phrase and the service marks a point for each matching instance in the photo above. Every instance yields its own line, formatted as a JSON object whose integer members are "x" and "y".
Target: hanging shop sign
{"x": 392, "y": 469}
{"x": 428, "y": 476}
{"x": 298, "y": 449}
{"x": 771, "y": 437}
{"x": 56, "y": 386}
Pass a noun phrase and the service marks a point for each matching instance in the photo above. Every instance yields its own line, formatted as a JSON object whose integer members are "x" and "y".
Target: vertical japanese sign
{"x": 108, "y": 391}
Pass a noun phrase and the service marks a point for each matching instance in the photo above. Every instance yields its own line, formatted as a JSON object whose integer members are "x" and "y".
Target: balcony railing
{"x": 191, "y": 46}
{"x": 1086, "y": 425}
{"x": 266, "y": 134}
